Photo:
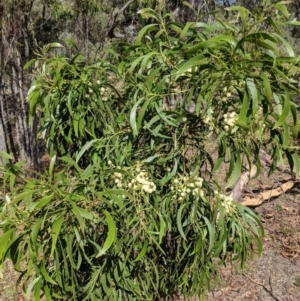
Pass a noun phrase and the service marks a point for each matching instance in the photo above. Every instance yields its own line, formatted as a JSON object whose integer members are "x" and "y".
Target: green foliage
{"x": 72, "y": 100}
{"x": 79, "y": 239}
{"x": 138, "y": 213}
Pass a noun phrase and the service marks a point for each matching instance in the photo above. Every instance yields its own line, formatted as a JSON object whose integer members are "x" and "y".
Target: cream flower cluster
{"x": 186, "y": 185}
{"x": 142, "y": 181}
{"x": 224, "y": 95}
{"x": 139, "y": 181}
{"x": 233, "y": 87}
{"x": 227, "y": 94}
{"x": 229, "y": 119}
{"x": 89, "y": 92}
{"x": 188, "y": 72}
{"x": 227, "y": 202}
{"x": 103, "y": 92}
{"x": 209, "y": 120}
{"x": 119, "y": 181}
{"x": 209, "y": 116}
{"x": 258, "y": 121}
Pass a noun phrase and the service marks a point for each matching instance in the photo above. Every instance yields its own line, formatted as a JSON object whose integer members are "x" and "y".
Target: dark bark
{"x": 16, "y": 49}
{"x": 3, "y": 146}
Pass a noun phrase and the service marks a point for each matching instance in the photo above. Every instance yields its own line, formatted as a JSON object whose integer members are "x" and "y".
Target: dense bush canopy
{"x": 132, "y": 207}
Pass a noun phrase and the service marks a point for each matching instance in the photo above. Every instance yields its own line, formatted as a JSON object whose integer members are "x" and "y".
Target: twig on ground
{"x": 264, "y": 287}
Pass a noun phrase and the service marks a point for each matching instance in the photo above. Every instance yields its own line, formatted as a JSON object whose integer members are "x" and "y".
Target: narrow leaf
{"x": 191, "y": 62}
{"x": 133, "y": 114}
{"x": 267, "y": 87}
{"x": 46, "y": 275}
{"x": 179, "y": 222}
{"x": 51, "y": 166}
{"x": 143, "y": 251}
{"x": 85, "y": 148}
{"x": 285, "y": 111}
{"x": 236, "y": 171}
{"x": 111, "y": 235}
{"x": 55, "y": 232}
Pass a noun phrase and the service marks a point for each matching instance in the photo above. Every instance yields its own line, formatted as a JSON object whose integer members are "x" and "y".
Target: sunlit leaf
{"x": 84, "y": 149}
{"x": 46, "y": 276}
{"x": 133, "y": 114}
{"x": 282, "y": 8}
{"x": 236, "y": 171}
{"x": 143, "y": 251}
{"x": 285, "y": 111}
{"x": 55, "y": 231}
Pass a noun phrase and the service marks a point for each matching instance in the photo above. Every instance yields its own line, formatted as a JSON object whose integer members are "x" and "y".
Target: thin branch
{"x": 264, "y": 287}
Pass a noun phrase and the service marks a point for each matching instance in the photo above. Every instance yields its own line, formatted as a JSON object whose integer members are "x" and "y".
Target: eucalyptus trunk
{"x": 15, "y": 51}
{"x": 3, "y": 147}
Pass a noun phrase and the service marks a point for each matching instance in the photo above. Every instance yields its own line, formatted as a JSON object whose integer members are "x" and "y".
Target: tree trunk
{"x": 16, "y": 50}
{"x": 3, "y": 147}
{"x": 86, "y": 35}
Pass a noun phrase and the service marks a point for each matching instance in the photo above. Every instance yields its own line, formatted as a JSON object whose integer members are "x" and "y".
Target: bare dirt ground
{"x": 8, "y": 290}
{"x": 274, "y": 276}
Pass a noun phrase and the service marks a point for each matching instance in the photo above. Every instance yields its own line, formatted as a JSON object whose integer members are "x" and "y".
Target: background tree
{"x": 16, "y": 50}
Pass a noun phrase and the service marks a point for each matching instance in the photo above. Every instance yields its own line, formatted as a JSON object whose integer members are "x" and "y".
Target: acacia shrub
{"x": 131, "y": 216}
